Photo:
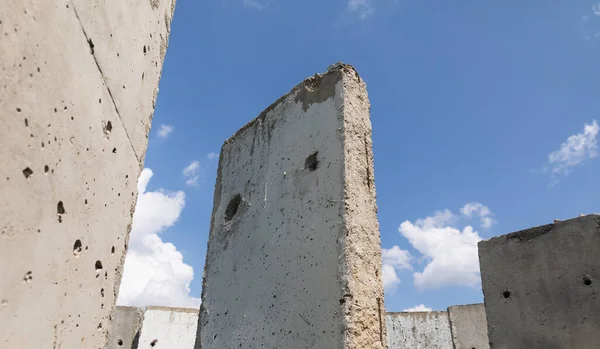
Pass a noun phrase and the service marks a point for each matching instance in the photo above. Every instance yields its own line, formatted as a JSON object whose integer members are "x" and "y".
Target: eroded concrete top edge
{"x": 417, "y": 313}
{"x": 309, "y": 82}
{"x": 534, "y": 232}
{"x": 178, "y": 310}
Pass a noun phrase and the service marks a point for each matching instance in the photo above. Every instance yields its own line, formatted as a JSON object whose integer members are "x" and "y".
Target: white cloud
{"x": 451, "y": 254}
{"x": 484, "y": 213}
{"x": 212, "y": 156}
{"x": 165, "y": 130}
{"x": 154, "y": 272}
{"x": 596, "y": 9}
{"x": 191, "y": 173}
{"x": 390, "y": 279}
{"x": 418, "y": 308}
{"x": 362, "y": 8}
{"x": 576, "y": 149}
{"x": 394, "y": 259}
{"x": 259, "y": 5}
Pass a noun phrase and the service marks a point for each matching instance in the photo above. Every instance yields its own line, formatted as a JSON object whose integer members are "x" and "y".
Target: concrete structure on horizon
{"x": 77, "y": 91}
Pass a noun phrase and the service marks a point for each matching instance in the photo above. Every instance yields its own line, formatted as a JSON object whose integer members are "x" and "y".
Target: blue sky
{"x": 484, "y": 120}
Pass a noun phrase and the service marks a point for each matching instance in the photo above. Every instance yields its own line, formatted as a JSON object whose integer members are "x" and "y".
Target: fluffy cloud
{"x": 212, "y": 156}
{"x": 596, "y": 9}
{"x": 361, "y": 8}
{"x": 484, "y": 213}
{"x": 191, "y": 173}
{"x": 451, "y": 254}
{"x": 576, "y": 149}
{"x": 394, "y": 259}
{"x": 165, "y": 130}
{"x": 418, "y": 308}
{"x": 154, "y": 272}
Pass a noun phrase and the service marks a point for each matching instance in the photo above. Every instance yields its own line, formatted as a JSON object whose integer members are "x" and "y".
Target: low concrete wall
{"x": 468, "y": 326}
{"x": 541, "y": 287}
{"x": 124, "y": 331}
{"x": 169, "y": 328}
{"x": 418, "y": 330}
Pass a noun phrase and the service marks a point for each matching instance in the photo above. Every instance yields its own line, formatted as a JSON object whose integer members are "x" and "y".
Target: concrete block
{"x": 541, "y": 286}
{"x": 418, "y": 330}
{"x": 169, "y": 328}
{"x": 468, "y": 326}
{"x": 294, "y": 254}
{"x": 69, "y": 177}
{"x": 124, "y": 332}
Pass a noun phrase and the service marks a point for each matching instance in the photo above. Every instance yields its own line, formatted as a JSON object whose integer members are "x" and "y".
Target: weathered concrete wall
{"x": 418, "y": 330}
{"x": 541, "y": 286}
{"x": 77, "y": 86}
{"x": 169, "y": 328}
{"x": 294, "y": 255}
{"x": 124, "y": 331}
{"x": 468, "y": 326}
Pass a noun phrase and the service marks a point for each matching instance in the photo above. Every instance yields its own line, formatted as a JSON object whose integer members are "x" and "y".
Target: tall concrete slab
{"x": 124, "y": 331}
{"x": 468, "y": 326}
{"x": 541, "y": 287}
{"x": 169, "y": 328}
{"x": 294, "y": 254}
{"x": 70, "y": 162}
{"x": 418, "y": 330}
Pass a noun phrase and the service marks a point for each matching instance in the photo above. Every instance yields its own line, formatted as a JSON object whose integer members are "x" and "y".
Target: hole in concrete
{"x": 153, "y": 343}
{"x": 60, "y": 208}
{"x": 27, "y": 172}
{"x": 46, "y": 169}
{"x": 114, "y": 150}
{"x": 120, "y": 342}
{"x": 144, "y": 49}
{"x": 99, "y": 326}
{"x": 108, "y": 127}
{"x": 19, "y": 110}
{"x": 587, "y": 280}
{"x": 77, "y": 247}
{"x": 232, "y": 207}
{"x": 28, "y": 277}
{"x": 112, "y": 250}
{"x": 311, "y": 162}
{"x": 98, "y": 266}
{"x": 26, "y": 123}
{"x": 506, "y": 294}
{"x": 91, "y": 45}
{"x": 102, "y": 292}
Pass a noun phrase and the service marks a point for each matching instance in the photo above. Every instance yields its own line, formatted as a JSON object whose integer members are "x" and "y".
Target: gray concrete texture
{"x": 169, "y": 328}
{"x": 125, "y": 327}
{"x": 418, "y": 330}
{"x": 468, "y": 326}
{"x": 294, "y": 254}
{"x": 541, "y": 287}
{"x": 77, "y": 90}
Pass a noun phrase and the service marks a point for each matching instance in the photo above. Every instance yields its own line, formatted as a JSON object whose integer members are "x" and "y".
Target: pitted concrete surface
{"x": 125, "y": 327}
{"x": 69, "y": 171}
{"x": 169, "y": 328}
{"x": 294, "y": 254}
{"x": 468, "y": 326}
{"x": 418, "y": 330}
{"x": 541, "y": 286}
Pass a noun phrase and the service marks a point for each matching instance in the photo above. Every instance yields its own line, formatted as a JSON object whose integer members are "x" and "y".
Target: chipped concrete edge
{"x": 173, "y": 309}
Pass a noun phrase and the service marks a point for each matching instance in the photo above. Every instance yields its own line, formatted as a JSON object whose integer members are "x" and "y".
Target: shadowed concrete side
{"x": 124, "y": 331}
{"x": 468, "y": 326}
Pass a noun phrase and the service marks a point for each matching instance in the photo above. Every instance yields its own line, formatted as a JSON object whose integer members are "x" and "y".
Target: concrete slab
{"x": 124, "y": 332}
{"x": 541, "y": 286}
{"x": 169, "y": 328}
{"x": 69, "y": 177}
{"x": 418, "y": 330}
{"x": 294, "y": 254}
{"x": 468, "y": 326}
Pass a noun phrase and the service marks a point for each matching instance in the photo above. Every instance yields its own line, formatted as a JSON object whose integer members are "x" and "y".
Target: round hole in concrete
{"x": 506, "y": 294}
{"x": 77, "y": 247}
{"x": 587, "y": 280}
{"x": 98, "y": 266}
{"x": 311, "y": 163}
{"x": 120, "y": 342}
{"x": 232, "y": 207}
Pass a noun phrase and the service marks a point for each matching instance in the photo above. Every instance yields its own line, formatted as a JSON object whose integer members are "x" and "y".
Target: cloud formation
{"x": 574, "y": 151}
{"x": 451, "y": 253}
{"x": 596, "y": 9}
{"x": 164, "y": 131}
{"x": 484, "y": 213}
{"x": 191, "y": 173}
{"x": 394, "y": 259}
{"x": 361, "y": 8}
{"x": 255, "y": 4}
{"x": 418, "y": 308}
{"x": 154, "y": 272}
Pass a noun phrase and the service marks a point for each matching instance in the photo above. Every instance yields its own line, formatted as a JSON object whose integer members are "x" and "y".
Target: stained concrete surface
{"x": 124, "y": 332}
{"x": 468, "y": 326}
{"x": 70, "y": 162}
{"x": 541, "y": 287}
{"x": 418, "y": 330}
{"x": 294, "y": 254}
{"x": 169, "y": 328}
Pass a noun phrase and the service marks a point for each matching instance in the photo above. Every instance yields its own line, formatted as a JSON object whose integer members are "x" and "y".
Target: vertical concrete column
{"x": 78, "y": 83}
{"x": 468, "y": 326}
{"x": 541, "y": 286}
{"x": 294, "y": 255}
{"x": 125, "y": 327}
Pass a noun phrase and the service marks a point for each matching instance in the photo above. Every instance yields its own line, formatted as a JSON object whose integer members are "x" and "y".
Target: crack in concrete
{"x": 89, "y": 41}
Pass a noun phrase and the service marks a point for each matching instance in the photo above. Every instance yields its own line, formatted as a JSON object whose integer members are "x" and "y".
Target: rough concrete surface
{"x": 70, "y": 165}
{"x": 169, "y": 328}
{"x": 125, "y": 328}
{"x": 468, "y": 326}
{"x": 541, "y": 286}
{"x": 418, "y": 330}
{"x": 294, "y": 254}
